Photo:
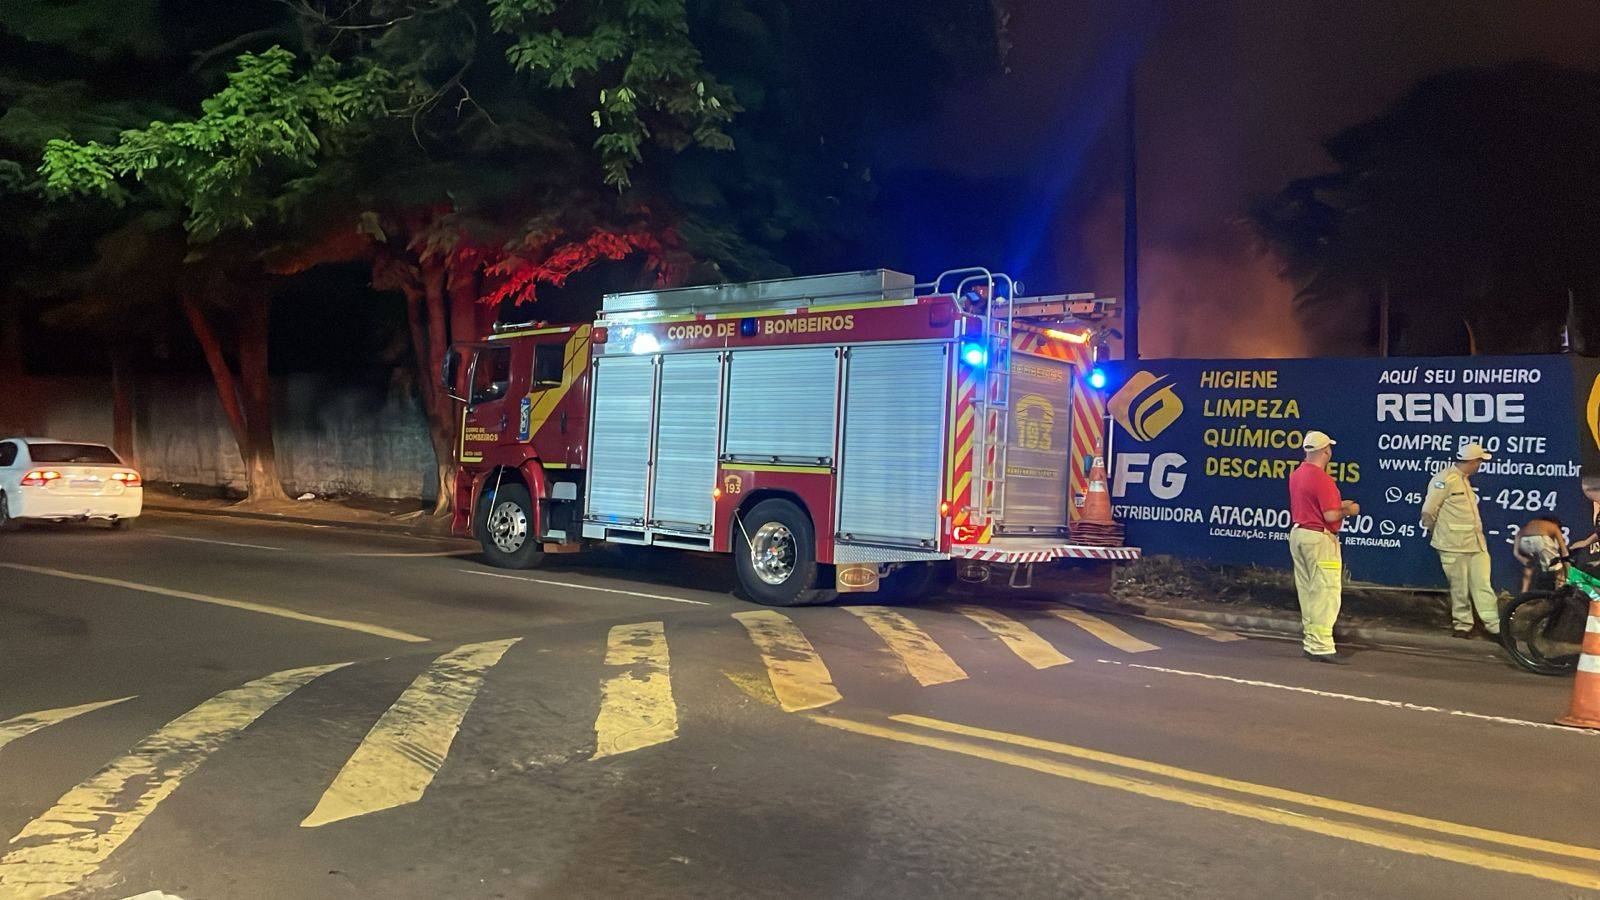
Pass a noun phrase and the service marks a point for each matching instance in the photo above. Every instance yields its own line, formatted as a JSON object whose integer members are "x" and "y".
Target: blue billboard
{"x": 1202, "y": 450}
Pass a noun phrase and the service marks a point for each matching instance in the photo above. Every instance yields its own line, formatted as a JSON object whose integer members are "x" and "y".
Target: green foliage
{"x": 268, "y": 119}
{"x": 636, "y": 59}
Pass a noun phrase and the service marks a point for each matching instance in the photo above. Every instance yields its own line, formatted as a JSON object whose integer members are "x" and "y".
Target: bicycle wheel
{"x": 1526, "y": 629}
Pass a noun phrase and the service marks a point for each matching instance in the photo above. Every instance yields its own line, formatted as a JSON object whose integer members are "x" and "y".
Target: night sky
{"x": 1233, "y": 99}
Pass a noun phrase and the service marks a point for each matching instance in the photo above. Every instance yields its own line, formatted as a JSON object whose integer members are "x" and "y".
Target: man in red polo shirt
{"x": 1317, "y": 512}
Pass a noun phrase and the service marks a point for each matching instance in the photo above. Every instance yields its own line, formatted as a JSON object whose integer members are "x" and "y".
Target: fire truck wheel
{"x": 507, "y": 529}
{"x": 775, "y": 552}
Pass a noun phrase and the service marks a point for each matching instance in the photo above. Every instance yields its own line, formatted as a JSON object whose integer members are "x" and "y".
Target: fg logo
{"x": 1145, "y": 406}
{"x": 1164, "y": 474}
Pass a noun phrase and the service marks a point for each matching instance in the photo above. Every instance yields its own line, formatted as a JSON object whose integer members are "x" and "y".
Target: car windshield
{"x": 72, "y": 453}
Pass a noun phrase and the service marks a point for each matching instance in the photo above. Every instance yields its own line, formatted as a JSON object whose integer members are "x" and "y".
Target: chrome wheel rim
{"x": 772, "y": 553}
{"x": 508, "y": 527}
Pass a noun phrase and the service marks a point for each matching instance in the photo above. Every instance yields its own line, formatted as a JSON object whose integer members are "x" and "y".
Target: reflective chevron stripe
{"x": 990, "y": 553}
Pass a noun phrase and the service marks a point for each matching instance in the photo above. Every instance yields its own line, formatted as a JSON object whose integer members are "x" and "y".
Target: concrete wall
{"x": 332, "y": 435}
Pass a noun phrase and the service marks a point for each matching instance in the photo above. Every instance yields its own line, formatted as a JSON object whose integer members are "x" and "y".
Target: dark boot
{"x": 1332, "y": 659}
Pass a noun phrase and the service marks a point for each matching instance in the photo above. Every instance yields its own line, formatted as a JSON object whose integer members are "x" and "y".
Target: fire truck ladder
{"x": 977, "y": 288}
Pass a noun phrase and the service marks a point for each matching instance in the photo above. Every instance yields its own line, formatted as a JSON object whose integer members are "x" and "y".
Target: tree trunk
{"x": 442, "y": 424}
{"x": 221, "y": 375}
{"x": 436, "y": 404}
{"x": 259, "y": 451}
{"x": 122, "y": 408}
{"x": 247, "y": 399}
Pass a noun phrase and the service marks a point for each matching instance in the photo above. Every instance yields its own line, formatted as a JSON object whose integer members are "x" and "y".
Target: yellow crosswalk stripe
{"x": 1200, "y": 628}
{"x": 636, "y": 707}
{"x": 1104, "y": 630}
{"x": 58, "y": 850}
{"x": 923, "y": 658}
{"x": 398, "y": 758}
{"x": 799, "y": 677}
{"x": 27, "y": 723}
{"x": 1033, "y": 649}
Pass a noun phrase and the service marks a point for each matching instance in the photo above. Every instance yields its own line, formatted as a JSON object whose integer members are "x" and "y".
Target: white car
{"x": 66, "y": 481}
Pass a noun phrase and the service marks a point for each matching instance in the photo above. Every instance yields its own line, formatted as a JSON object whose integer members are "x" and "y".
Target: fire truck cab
{"x": 834, "y": 433}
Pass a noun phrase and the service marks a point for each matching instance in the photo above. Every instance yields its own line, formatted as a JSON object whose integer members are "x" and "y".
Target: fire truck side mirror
{"x": 449, "y": 369}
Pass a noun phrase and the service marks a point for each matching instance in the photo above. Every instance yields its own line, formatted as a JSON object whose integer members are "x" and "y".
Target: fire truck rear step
{"x": 1016, "y": 551}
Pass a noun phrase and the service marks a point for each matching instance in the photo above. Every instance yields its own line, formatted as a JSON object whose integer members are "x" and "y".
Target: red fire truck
{"x": 833, "y": 433}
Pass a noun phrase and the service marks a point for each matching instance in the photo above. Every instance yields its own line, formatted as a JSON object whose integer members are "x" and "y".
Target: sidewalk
{"x": 368, "y": 514}
{"x": 1261, "y": 599}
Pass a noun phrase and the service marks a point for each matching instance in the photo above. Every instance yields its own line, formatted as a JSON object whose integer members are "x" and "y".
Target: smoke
{"x": 1217, "y": 297}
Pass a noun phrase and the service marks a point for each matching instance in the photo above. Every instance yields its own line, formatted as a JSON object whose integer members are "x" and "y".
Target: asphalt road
{"x": 211, "y": 708}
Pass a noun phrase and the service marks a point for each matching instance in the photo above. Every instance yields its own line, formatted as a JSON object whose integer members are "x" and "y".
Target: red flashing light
{"x": 598, "y": 335}
{"x": 941, "y": 314}
{"x": 40, "y": 477}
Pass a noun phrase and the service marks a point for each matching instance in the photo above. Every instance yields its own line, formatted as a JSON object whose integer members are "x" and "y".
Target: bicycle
{"x": 1539, "y": 628}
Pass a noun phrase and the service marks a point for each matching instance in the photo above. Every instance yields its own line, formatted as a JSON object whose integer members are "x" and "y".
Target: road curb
{"x": 1350, "y": 634}
{"x": 374, "y": 527}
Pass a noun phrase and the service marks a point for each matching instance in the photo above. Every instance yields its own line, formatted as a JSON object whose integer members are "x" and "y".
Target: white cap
{"x": 1316, "y": 440}
{"x": 1471, "y": 452}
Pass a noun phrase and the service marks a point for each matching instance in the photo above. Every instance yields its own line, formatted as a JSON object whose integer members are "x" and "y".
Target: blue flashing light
{"x": 1097, "y": 378}
{"x": 974, "y": 354}
{"x": 747, "y": 327}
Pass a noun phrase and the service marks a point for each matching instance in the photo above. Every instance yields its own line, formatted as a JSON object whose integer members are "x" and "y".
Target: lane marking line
{"x": 58, "y": 850}
{"x": 179, "y": 537}
{"x": 636, "y": 707}
{"x": 1104, "y": 630}
{"x": 917, "y": 651}
{"x": 799, "y": 677}
{"x": 582, "y": 587}
{"x": 1259, "y": 790}
{"x": 280, "y": 612}
{"x": 396, "y": 761}
{"x": 1357, "y": 698}
{"x": 1361, "y": 834}
{"x": 27, "y": 723}
{"x": 1199, "y": 628}
{"x": 1033, "y": 649}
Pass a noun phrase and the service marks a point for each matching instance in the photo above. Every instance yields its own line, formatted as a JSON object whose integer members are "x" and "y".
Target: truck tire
{"x": 775, "y": 554}
{"x": 507, "y": 528}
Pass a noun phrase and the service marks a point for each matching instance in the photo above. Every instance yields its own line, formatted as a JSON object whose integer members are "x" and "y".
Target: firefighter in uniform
{"x": 1317, "y": 512}
{"x": 1450, "y": 512}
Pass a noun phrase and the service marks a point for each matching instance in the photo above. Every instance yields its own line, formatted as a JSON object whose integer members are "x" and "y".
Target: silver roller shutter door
{"x": 686, "y": 439}
{"x": 892, "y": 465}
{"x": 781, "y": 405}
{"x": 620, "y": 448}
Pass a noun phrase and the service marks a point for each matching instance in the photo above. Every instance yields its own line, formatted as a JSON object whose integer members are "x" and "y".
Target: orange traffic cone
{"x": 1097, "y": 500}
{"x": 1586, "y": 687}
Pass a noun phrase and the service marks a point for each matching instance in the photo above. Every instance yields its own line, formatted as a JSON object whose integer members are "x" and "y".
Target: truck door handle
{"x": 502, "y": 421}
